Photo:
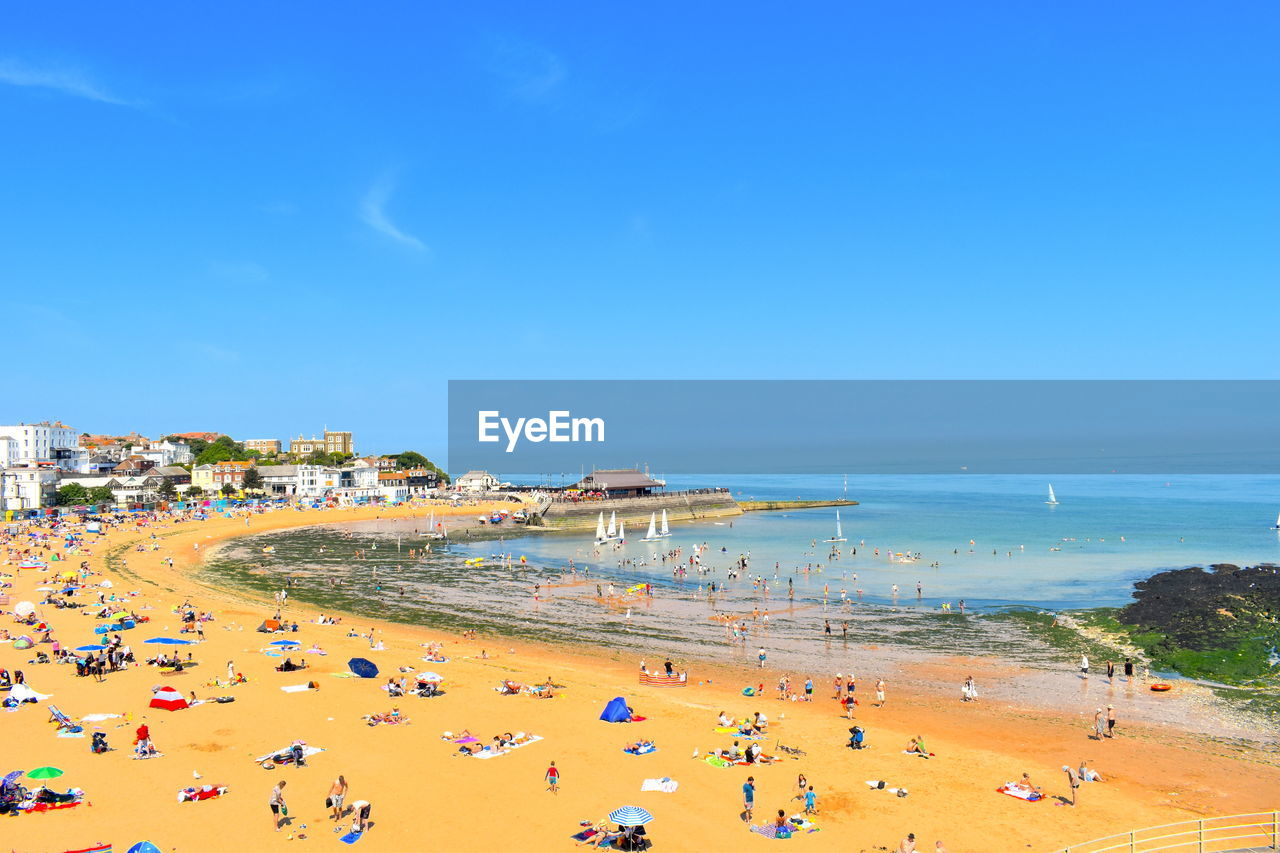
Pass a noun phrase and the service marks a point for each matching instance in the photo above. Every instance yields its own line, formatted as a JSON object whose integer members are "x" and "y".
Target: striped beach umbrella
{"x": 630, "y": 816}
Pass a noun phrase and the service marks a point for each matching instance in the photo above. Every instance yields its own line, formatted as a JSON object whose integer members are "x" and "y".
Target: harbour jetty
{"x": 691, "y": 505}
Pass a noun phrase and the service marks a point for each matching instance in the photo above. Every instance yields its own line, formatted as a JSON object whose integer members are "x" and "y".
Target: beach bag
{"x": 880, "y": 785}
{"x": 328, "y": 802}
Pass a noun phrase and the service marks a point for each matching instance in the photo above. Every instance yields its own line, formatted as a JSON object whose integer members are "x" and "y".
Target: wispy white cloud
{"x": 373, "y": 213}
{"x": 529, "y": 71}
{"x": 67, "y": 81}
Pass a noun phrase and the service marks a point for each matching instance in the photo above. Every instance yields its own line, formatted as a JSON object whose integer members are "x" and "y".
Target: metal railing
{"x": 1255, "y": 831}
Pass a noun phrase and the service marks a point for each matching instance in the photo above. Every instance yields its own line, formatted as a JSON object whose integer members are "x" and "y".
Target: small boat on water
{"x": 622, "y": 532}
{"x": 839, "y": 537}
{"x": 612, "y": 532}
{"x": 601, "y": 536}
{"x": 1053, "y": 499}
{"x": 1277, "y": 524}
{"x": 664, "y": 531}
{"x": 652, "y": 535}
{"x": 270, "y": 549}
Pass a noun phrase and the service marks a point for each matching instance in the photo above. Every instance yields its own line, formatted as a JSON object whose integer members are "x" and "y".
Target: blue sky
{"x": 265, "y": 218}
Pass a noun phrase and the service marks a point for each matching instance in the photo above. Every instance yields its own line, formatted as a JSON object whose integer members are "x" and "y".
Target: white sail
{"x": 839, "y": 537}
{"x": 666, "y": 531}
{"x": 613, "y": 525}
{"x": 653, "y": 528}
{"x": 1052, "y": 498}
{"x": 1278, "y": 522}
{"x": 622, "y": 531}
{"x": 600, "y": 528}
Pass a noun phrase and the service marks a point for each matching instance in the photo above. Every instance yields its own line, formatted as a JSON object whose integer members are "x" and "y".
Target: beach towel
{"x": 1025, "y": 794}
{"x": 467, "y": 739}
{"x": 908, "y": 752}
{"x": 644, "y": 750}
{"x": 97, "y": 718}
{"x": 307, "y": 752}
{"x": 204, "y": 792}
{"x": 351, "y": 837}
{"x": 665, "y": 785}
{"x": 70, "y": 734}
{"x": 488, "y": 753}
{"x": 716, "y": 761}
{"x": 876, "y": 784}
{"x": 802, "y": 823}
{"x": 297, "y": 688}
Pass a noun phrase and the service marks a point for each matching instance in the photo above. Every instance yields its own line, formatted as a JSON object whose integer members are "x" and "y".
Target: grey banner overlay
{"x": 870, "y": 426}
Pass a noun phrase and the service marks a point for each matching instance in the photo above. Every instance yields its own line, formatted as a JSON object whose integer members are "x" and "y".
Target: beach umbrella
{"x": 630, "y": 816}
{"x": 429, "y": 676}
{"x": 44, "y": 773}
{"x": 90, "y": 648}
{"x": 167, "y": 641}
{"x": 144, "y": 847}
{"x": 363, "y": 667}
{"x": 23, "y": 609}
{"x": 12, "y": 777}
{"x": 285, "y": 643}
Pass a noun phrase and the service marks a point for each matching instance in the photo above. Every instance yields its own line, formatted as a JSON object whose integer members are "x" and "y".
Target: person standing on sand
{"x": 762, "y": 657}
{"x": 748, "y": 797}
{"x": 337, "y": 793}
{"x": 1084, "y": 665}
{"x": 880, "y": 692}
{"x": 553, "y": 779}
{"x": 1111, "y": 670}
{"x": 1072, "y": 780}
{"x": 1099, "y": 725}
{"x": 1111, "y": 721}
{"x": 278, "y": 809}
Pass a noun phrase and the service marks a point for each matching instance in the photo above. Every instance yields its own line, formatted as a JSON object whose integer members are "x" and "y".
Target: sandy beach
{"x": 426, "y": 796}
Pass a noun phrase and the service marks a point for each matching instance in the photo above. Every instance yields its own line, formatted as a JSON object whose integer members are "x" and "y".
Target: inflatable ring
{"x": 748, "y": 691}
{"x": 1161, "y": 688}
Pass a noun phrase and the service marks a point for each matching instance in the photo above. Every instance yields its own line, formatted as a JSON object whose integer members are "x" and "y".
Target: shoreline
{"x": 989, "y": 748}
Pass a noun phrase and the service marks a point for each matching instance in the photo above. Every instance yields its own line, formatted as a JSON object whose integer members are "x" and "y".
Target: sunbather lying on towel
{"x": 640, "y": 747}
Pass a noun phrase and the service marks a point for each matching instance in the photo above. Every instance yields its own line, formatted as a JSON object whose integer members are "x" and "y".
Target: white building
{"x": 44, "y": 443}
{"x": 164, "y": 453}
{"x": 317, "y": 481}
{"x": 27, "y": 487}
{"x": 476, "y": 481}
{"x": 8, "y": 451}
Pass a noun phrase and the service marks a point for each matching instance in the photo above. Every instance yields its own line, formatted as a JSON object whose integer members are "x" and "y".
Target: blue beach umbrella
{"x": 10, "y": 778}
{"x": 144, "y": 847}
{"x": 630, "y": 816}
{"x": 167, "y": 641}
{"x": 285, "y": 643}
{"x": 363, "y": 667}
{"x": 90, "y": 648}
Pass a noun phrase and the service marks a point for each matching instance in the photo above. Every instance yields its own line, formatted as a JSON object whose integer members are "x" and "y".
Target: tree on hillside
{"x": 73, "y": 494}
{"x": 414, "y": 459}
{"x": 252, "y": 480}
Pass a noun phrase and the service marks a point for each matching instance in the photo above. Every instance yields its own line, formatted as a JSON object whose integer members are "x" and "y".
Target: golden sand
{"x": 425, "y": 798}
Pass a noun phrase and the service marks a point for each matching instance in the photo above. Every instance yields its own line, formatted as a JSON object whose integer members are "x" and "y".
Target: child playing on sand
{"x": 810, "y": 801}
{"x": 553, "y": 779}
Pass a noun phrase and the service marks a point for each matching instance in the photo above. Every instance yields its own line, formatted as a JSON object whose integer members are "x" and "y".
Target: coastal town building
{"x": 262, "y": 445}
{"x": 476, "y": 481}
{"x": 619, "y": 483}
{"x": 27, "y": 487}
{"x": 206, "y": 437}
{"x": 45, "y": 443}
{"x": 214, "y": 476}
{"x": 166, "y": 452}
{"x": 333, "y": 442}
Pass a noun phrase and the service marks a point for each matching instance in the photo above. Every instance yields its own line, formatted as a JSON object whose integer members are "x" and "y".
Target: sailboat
{"x": 432, "y": 532}
{"x": 839, "y": 537}
{"x": 1053, "y": 499}
{"x": 600, "y": 535}
{"x": 622, "y": 532}
{"x": 1277, "y": 527}
{"x": 652, "y": 535}
{"x": 664, "y": 531}
{"x": 613, "y": 526}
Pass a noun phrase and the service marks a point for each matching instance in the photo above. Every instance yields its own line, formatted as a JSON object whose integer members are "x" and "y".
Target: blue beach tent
{"x": 144, "y": 847}
{"x": 616, "y": 711}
